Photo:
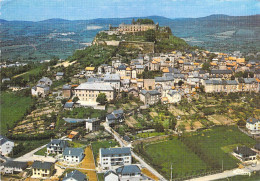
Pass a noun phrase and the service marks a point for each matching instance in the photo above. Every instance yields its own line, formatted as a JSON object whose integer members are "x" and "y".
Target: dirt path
{"x": 89, "y": 163}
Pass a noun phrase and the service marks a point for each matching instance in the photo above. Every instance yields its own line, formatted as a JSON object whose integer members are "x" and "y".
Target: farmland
{"x": 195, "y": 153}
{"x": 13, "y": 108}
{"x": 214, "y": 145}
{"x": 184, "y": 162}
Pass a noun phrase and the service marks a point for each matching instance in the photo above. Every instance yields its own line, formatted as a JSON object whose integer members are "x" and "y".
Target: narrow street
{"x": 228, "y": 173}
{"x": 122, "y": 144}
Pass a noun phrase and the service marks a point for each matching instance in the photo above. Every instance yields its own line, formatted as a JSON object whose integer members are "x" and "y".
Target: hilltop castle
{"x": 133, "y": 27}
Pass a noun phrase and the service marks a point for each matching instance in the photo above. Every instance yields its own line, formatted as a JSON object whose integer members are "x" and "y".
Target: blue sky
{"x": 35, "y": 10}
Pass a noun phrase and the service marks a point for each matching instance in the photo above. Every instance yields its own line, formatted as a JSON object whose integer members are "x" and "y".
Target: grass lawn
{"x": 197, "y": 152}
{"x": 76, "y": 144}
{"x": 32, "y": 72}
{"x": 13, "y": 108}
{"x": 28, "y": 146}
{"x": 102, "y": 144}
{"x": 149, "y": 134}
{"x": 215, "y": 145}
{"x": 163, "y": 154}
{"x": 41, "y": 152}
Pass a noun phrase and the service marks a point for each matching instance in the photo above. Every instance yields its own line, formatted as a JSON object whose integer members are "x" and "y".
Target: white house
{"x": 6, "y": 146}
{"x": 111, "y": 176}
{"x": 113, "y": 80}
{"x": 253, "y": 125}
{"x": 129, "y": 172}
{"x": 244, "y": 153}
{"x": 12, "y": 167}
{"x": 92, "y": 124}
{"x": 110, "y": 157}
{"x": 89, "y": 91}
{"x": 73, "y": 155}
{"x": 173, "y": 96}
{"x": 75, "y": 175}
{"x": 57, "y": 146}
{"x": 117, "y": 116}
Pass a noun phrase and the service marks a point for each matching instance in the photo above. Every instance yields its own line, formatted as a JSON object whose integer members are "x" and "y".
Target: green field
{"x": 215, "y": 145}
{"x": 174, "y": 152}
{"x": 24, "y": 147}
{"x": 149, "y": 134}
{"x": 41, "y": 151}
{"x": 102, "y": 144}
{"x": 196, "y": 153}
{"x": 13, "y": 108}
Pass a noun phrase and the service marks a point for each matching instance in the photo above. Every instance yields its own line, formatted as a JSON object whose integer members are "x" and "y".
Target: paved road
{"x": 229, "y": 173}
{"x": 31, "y": 157}
{"x": 122, "y": 144}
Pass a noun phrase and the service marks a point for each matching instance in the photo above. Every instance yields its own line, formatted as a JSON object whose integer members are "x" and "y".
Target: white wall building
{"x": 253, "y": 125}
{"x": 110, "y": 157}
{"x": 6, "y": 146}
{"x": 73, "y": 155}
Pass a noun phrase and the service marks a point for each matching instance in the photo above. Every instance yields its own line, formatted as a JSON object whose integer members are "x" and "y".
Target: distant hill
{"x": 60, "y": 37}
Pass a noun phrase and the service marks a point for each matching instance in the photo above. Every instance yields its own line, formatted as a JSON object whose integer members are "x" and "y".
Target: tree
{"x": 144, "y": 21}
{"x": 102, "y": 98}
{"x": 159, "y": 127}
{"x": 149, "y": 35}
{"x": 75, "y": 99}
{"x": 180, "y": 83}
{"x": 206, "y": 66}
{"x": 63, "y": 101}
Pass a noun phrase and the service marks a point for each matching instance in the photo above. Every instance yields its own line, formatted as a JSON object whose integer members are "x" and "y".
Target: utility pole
{"x": 171, "y": 171}
{"x": 222, "y": 165}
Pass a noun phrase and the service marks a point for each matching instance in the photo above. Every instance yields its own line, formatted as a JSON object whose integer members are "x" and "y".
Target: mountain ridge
{"x": 122, "y": 18}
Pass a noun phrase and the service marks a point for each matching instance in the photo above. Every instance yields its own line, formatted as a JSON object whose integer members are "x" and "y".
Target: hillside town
{"x": 103, "y": 121}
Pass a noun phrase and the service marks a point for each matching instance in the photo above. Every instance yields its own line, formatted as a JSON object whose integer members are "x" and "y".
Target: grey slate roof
{"x": 73, "y": 151}
{"x": 62, "y": 143}
{"x": 3, "y": 139}
{"x": 16, "y": 164}
{"x": 115, "y": 151}
{"x": 111, "y": 117}
{"x": 69, "y": 105}
{"x": 116, "y": 114}
{"x": 221, "y": 71}
{"x": 128, "y": 169}
{"x": 122, "y": 67}
{"x": 244, "y": 151}
{"x": 111, "y": 77}
{"x": 59, "y": 74}
{"x": 139, "y": 66}
{"x": 77, "y": 175}
{"x": 42, "y": 165}
{"x": 250, "y": 80}
{"x": 152, "y": 92}
{"x": 73, "y": 120}
{"x": 252, "y": 120}
{"x": 172, "y": 92}
{"x": 66, "y": 87}
{"x": 110, "y": 172}
{"x": 164, "y": 79}
{"x": 101, "y": 86}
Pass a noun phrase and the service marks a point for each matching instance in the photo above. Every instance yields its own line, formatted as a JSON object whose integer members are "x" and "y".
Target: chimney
{"x": 69, "y": 152}
{"x": 66, "y": 174}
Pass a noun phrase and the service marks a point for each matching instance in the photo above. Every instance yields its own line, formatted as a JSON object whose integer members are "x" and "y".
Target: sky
{"x": 37, "y": 10}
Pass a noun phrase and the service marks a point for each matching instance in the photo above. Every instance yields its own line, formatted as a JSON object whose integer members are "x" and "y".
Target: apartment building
{"x": 110, "y": 157}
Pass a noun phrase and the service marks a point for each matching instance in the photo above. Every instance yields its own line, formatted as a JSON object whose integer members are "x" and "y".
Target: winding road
{"x": 125, "y": 144}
